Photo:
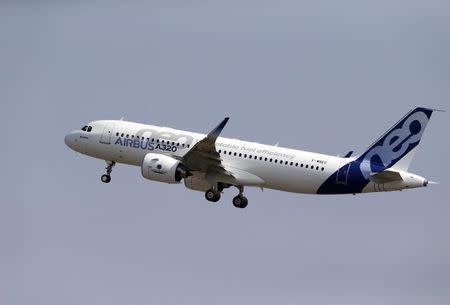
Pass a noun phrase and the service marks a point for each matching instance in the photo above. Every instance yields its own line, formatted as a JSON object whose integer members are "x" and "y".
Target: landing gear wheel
{"x": 212, "y": 195}
{"x": 240, "y": 201}
{"x": 106, "y": 178}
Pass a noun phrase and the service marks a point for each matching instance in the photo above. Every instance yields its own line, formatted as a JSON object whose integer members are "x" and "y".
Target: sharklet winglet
{"x": 214, "y": 134}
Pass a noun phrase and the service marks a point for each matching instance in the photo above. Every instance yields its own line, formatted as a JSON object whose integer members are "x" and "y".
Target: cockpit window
{"x": 87, "y": 128}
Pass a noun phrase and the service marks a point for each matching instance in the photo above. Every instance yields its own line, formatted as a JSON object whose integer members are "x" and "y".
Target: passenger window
{"x": 230, "y": 153}
{"x": 265, "y": 159}
{"x": 292, "y": 163}
{"x": 306, "y": 166}
{"x": 323, "y": 168}
{"x": 235, "y": 154}
{"x": 256, "y": 157}
{"x": 245, "y": 156}
{"x": 122, "y": 135}
{"x": 270, "y": 159}
{"x": 240, "y": 155}
{"x": 225, "y": 152}
{"x": 157, "y": 140}
{"x": 296, "y": 164}
{"x": 276, "y": 160}
{"x": 301, "y": 165}
{"x": 260, "y": 158}
{"x": 117, "y": 134}
{"x": 128, "y": 135}
{"x": 317, "y": 168}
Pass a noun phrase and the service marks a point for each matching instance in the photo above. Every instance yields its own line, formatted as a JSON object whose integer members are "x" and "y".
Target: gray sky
{"x": 321, "y": 76}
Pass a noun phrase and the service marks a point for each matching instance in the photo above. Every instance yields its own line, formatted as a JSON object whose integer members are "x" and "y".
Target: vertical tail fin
{"x": 397, "y": 146}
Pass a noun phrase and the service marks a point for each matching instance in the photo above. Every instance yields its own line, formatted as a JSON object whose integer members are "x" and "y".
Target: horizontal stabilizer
{"x": 385, "y": 177}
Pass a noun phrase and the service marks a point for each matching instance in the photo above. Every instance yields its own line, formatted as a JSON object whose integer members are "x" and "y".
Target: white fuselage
{"x": 256, "y": 164}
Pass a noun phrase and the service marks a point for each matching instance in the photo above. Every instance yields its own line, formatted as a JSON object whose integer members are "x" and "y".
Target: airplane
{"x": 210, "y": 164}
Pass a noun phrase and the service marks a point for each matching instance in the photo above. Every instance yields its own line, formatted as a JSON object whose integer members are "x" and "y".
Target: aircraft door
{"x": 107, "y": 132}
{"x": 342, "y": 174}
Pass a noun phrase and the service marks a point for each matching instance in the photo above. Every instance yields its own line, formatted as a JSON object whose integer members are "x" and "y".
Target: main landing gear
{"x": 106, "y": 178}
{"x": 240, "y": 201}
{"x": 212, "y": 195}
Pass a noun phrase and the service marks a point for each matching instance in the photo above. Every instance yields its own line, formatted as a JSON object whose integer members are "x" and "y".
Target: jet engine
{"x": 162, "y": 168}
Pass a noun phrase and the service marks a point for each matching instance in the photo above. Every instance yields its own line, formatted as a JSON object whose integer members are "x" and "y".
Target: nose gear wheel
{"x": 106, "y": 178}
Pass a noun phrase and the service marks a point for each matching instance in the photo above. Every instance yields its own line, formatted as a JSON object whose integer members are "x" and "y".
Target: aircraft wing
{"x": 203, "y": 156}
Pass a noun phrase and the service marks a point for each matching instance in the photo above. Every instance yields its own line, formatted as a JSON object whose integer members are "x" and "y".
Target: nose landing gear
{"x": 106, "y": 178}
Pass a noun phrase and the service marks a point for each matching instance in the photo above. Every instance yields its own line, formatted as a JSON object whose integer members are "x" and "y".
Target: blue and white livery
{"x": 210, "y": 163}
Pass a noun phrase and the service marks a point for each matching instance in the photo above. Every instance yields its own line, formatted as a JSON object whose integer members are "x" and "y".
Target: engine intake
{"x": 162, "y": 168}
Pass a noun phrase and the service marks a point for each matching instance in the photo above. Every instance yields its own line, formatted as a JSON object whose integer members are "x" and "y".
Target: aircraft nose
{"x": 69, "y": 139}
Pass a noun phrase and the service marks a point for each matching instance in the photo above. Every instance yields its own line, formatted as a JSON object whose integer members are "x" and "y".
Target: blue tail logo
{"x": 396, "y": 143}
{"x": 389, "y": 149}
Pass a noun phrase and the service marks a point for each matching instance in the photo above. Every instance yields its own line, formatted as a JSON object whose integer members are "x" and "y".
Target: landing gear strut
{"x": 240, "y": 201}
{"x": 106, "y": 178}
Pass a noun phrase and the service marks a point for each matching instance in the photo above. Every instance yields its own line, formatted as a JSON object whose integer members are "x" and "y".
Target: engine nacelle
{"x": 162, "y": 168}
